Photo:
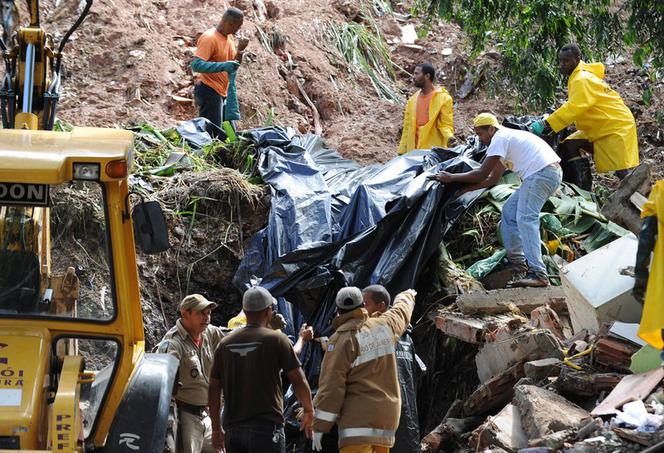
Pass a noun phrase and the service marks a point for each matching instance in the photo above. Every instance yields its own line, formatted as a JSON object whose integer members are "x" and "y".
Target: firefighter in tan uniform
{"x": 193, "y": 340}
{"x": 358, "y": 385}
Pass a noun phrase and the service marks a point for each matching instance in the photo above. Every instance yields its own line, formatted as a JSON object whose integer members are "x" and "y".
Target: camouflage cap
{"x": 196, "y": 302}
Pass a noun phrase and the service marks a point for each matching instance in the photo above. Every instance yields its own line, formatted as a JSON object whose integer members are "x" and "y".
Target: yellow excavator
{"x": 74, "y": 373}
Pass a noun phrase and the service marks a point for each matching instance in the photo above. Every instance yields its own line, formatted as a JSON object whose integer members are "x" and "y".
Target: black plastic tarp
{"x": 334, "y": 223}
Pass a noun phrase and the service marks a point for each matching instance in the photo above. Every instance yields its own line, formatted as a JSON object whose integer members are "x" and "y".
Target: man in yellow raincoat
{"x": 428, "y": 120}
{"x": 605, "y": 125}
{"x": 651, "y": 237}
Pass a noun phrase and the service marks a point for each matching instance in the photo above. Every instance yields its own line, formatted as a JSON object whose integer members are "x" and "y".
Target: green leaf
{"x": 482, "y": 268}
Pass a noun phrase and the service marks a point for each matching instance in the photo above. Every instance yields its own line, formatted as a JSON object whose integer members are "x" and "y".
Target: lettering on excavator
{"x": 24, "y": 194}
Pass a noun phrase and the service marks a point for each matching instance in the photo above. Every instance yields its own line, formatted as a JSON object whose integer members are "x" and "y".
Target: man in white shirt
{"x": 538, "y": 167}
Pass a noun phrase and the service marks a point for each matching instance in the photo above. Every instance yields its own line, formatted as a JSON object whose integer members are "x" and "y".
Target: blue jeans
{"x": 520, "y": 224}
{"x": 255, "y": 437}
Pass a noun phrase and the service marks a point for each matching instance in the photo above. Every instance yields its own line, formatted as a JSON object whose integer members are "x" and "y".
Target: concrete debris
{"x": 408, "y": 34}
{"x": 538, "y": 370}
{"x": 597, "y": 291}
{"x": 510, "y": 348}
{"x": 556, "y": 441}
{"x": 618, "y": 208}
{"x": 503, "y": 430}
{"x": 473, "y": 329}
{"x": 581, "y": 383}
{"x": 494, "y": 393}
{"x": 545, "y": 318}
{"x": 544, "y": 412}
{"x": 505, "y": 300}
{"x": 538, "y": 347}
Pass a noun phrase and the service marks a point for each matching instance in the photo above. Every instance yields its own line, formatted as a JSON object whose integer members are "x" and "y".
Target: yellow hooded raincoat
{"x": 601, "y": 117}
{"x": 652, "y": 320}
{"x": 437, "y": 131}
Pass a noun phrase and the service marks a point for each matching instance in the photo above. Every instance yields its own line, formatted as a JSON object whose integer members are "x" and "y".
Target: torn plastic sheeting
{"x": 391, "y": 253}
{"x": 372, "y": 244}
{"x": 199, "y": 132}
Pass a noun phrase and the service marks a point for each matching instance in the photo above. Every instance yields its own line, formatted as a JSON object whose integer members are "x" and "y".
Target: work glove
{"x": 639, "y": 290}
{"x": 316, "y": 442}
{"x": 537, "y": 127}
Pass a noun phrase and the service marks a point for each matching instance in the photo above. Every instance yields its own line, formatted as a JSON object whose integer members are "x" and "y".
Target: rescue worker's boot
{"x": 532, "y": 280}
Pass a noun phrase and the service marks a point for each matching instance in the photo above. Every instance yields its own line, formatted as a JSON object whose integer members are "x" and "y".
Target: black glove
{"x": 639, "y": 290}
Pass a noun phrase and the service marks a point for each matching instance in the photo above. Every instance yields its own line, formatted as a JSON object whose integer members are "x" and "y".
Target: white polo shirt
{"x": 521, "y": 151}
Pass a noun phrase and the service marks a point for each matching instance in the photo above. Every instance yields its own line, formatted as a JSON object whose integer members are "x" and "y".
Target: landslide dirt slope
{"x": 131, "y": 57}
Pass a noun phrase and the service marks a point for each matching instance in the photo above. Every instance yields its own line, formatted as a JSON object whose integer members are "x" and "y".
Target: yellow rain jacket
{"x": 437, "y": 131}
{"x": 652, "y": 319}
{"x": 601, "y": 117}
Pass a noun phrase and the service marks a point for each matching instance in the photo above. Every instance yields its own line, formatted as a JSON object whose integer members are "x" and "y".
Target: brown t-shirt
{"x": 248, "y": 363}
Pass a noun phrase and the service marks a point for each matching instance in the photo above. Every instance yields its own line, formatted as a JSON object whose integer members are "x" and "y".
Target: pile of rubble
{"x": 560, "y": 368}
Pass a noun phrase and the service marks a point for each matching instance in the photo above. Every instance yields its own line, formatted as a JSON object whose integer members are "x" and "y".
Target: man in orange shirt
{"x": 216, "y": 60}
{"x": 428, "y": 119}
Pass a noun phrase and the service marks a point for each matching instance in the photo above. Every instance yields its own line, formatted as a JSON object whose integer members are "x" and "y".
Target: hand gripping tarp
{"x": 334, "y": 223}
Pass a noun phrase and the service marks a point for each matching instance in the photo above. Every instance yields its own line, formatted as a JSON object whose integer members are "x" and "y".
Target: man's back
{"x": 248, "y": 363}
{"x": 359, "y": 388}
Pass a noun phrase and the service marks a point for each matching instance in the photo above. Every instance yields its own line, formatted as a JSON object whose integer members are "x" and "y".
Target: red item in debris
{"x": 613, "y": 354}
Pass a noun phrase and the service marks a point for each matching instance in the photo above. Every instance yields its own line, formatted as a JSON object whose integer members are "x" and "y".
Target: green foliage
{"x": 529, "y": 34}
{"x": 645, "y": 29}
{"x": 164, "y": 153}
{"x": 363, "y": 46}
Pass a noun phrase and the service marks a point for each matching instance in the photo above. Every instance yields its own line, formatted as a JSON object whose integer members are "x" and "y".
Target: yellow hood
{"x": 594, "y": 68}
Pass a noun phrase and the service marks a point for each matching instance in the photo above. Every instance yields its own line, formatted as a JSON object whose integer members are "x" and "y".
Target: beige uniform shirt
{"x": 195, "y": 363}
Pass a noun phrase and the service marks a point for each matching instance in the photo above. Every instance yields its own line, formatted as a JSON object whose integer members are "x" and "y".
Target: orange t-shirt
{"x": 213, "y": 46}
{"x": 422, "y": 113}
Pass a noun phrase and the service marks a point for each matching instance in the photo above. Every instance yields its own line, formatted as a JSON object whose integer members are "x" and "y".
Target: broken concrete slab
{"x": 494, "y": 393}
{"x": 618, "y": 208}
{"x": 556, "y": 441}
{"x": 538, "y": 370}
{"x": 544, "y": 412}
{"x": 505, "y": 300}
{"x": 472, "y": 329}
{"x": 504, "y": 431}
{"x": 509, "y": 348}
{"x": 597, "y": 291}
{"x": 631, "y": 388}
